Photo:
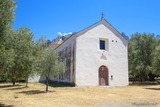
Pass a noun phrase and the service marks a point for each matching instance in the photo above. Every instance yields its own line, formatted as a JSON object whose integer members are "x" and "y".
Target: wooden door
{"x": 103, "y": 75}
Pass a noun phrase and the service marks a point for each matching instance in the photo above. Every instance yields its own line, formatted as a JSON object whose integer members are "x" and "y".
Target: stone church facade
{"x": 97, "y": 55}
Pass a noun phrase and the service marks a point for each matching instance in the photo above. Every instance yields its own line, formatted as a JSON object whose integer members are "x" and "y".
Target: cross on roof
{"x": 102, "y": 17}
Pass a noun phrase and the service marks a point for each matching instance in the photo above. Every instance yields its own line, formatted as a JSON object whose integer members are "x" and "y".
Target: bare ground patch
{"x": 35, "y": 96}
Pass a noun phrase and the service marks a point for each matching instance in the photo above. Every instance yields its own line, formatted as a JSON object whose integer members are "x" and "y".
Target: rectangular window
{"x": 102, "y": 45}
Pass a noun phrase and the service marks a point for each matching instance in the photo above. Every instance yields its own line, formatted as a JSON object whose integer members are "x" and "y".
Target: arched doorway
{"x": 103, "y": 75}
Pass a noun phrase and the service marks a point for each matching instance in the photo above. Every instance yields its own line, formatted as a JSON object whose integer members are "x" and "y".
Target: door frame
{"x": 107, "y": 79}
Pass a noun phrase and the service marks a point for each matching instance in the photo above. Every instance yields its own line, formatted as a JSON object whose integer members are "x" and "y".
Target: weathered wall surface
{"x": 89, "y": 57}
{"x": 66, "y": 53}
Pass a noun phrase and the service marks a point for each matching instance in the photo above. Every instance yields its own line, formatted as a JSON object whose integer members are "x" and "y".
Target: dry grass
{"x": 34, "y": 96}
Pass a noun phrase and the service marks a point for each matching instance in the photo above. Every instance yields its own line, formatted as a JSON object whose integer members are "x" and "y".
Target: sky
{"x": 48, "y": 17}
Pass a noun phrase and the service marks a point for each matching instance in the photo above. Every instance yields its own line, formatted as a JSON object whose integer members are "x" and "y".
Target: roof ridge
{"x": 93, "y": 25}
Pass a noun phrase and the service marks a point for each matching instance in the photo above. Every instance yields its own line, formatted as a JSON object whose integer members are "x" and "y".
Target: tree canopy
{"x": 49, "y": 64}
{"x": 156, "y": 61}
{"x": 7, "y": 8}
{"x": 18, "y": 54}
{"x": 142, "y": 52}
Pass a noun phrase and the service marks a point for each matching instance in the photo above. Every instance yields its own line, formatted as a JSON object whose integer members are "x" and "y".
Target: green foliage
{"x": 6, "y": 53}
{"x": 141, "y": 49}
{"x": 39, "y": 47}
{"x": 7, "y": 11}
{"x": 48, "y": 64}
{"x": 7, "y": 8}
{"x": 23, "y": 46}
{"x": 156, "y": 61}
{"x": 17, "y": 55}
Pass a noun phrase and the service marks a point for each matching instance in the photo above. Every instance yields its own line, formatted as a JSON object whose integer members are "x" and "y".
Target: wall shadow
{"x": 42, "y": 78}
{"x": 59, "y": 84}
{"x": 4, "y": 105}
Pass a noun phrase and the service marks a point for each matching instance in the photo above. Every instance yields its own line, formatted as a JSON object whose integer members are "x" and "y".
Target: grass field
{"x": 35, "y": 96}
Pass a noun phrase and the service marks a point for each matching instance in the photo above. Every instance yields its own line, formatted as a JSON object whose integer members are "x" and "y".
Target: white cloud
{"x": 64, "y": 34}
{"x": 70, "y": 33}
{"x": 59, "y": 33}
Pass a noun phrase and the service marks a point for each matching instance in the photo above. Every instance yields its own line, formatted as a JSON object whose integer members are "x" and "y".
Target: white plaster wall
{"x": 36, "y": 78}
{"x": 68, "y": 43}
{"x": 88, "y": 58}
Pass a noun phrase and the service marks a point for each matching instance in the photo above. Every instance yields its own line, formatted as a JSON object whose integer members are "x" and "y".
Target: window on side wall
{"x": 103, "y": 44}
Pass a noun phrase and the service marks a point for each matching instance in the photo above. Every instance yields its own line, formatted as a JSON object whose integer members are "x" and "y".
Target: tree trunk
{"x": 142, "y": 78}
{"x": 13, "y": 81}
{"x": 26, "y": 82}
{"x": 151, "y": 76}
{"x": 47, "y": 77}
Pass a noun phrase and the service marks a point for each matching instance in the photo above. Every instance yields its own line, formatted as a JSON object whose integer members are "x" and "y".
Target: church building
{"x": 95, "y": 56}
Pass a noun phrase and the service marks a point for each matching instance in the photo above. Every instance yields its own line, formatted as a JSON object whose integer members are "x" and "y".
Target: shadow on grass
{"x": 59, "y": 84}
{"x": 153, "y": 89}
{"x": 7, "y": 86}
{"x": 17, "y": 88}
{"x": 4, "y": 105}
{"x": 144, "y": 83}
{"x": 32, "y": 92}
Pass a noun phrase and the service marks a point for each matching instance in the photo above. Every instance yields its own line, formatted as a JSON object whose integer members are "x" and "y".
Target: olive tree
{"x": 141, "y": 49}
{"x": 49, "y": 64}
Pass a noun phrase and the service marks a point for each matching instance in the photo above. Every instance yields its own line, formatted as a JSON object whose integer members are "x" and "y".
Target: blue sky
{"x": 47, "y": 17}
